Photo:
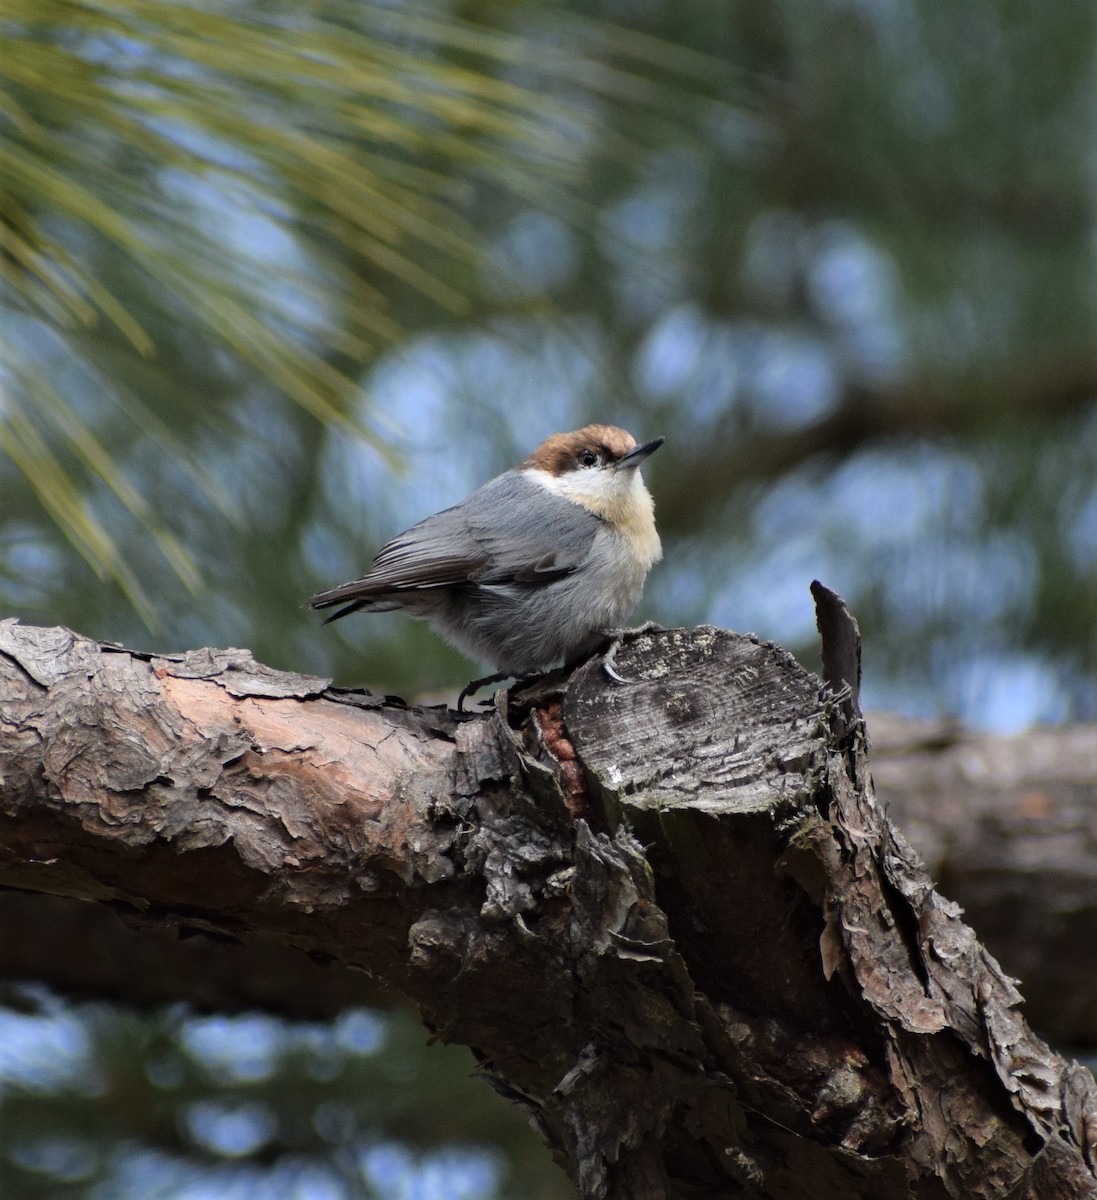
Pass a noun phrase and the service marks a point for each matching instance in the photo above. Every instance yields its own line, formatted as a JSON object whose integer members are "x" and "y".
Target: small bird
{"x": 541, "y": 564}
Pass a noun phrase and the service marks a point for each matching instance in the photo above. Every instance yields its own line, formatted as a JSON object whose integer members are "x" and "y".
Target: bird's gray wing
{"x": 437, "y": 552}
{"x": 528, "y": 534}
{"x": 509, "y": 531}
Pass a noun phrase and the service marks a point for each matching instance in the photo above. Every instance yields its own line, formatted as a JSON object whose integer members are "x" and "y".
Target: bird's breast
{"x": 631, "y": 517}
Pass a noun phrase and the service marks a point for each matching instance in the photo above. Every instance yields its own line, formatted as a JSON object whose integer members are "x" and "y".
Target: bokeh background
{"x": 280, "y": 277}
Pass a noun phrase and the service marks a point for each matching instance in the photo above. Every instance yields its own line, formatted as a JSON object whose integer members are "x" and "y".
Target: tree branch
{"x": 1005, "y": 824}
{"x": 669, "y": 917}
{"x": 1058, "y": 387}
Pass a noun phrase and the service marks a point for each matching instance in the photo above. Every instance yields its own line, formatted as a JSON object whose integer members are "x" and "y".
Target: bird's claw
{"x": 609, "y": 660}
{"x": 613, "y": 673}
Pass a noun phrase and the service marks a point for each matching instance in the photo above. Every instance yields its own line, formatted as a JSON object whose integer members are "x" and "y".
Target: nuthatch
{"x": 540, "y": 564}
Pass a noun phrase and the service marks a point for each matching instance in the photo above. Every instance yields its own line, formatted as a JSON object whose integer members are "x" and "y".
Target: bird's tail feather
{"x": 358, "y": 603}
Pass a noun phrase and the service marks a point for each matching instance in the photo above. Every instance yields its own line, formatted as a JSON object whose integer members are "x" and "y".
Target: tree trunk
{"x": 669, "y": 916}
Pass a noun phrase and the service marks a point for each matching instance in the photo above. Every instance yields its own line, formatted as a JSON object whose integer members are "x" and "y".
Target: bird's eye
{"x": 587, "y": 458}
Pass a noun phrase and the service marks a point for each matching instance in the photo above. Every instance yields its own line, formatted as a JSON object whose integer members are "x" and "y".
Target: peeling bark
{"x": 669, "y": 917}
{"x": 1008, "y": 827}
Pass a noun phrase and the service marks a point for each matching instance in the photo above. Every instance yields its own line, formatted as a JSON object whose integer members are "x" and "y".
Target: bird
{"x": 541, "y": 564}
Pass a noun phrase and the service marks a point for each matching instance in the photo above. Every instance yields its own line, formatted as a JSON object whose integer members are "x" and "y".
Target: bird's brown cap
{"x": 561, "y": 452}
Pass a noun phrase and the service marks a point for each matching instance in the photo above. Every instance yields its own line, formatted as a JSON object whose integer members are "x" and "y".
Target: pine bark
{"x": 670, "y": 916}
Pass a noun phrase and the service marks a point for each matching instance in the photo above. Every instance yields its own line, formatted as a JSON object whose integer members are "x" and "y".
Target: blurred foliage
{"x": 202, "y": 202}
{"x": 281, "y": 277}
{"x": 842, "y": 255}
{"x": 99, "y": 1101}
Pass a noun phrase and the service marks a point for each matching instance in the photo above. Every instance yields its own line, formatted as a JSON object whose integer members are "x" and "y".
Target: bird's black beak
{"x": 635, "y": 457}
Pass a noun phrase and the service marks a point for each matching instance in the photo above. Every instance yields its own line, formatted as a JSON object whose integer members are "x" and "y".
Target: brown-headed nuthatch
{"x": 540, "y": 564}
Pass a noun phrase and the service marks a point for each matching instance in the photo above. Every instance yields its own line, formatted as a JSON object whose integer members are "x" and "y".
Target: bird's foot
{"x": 470, "y": 689}
{"x": 616, "y": 640}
